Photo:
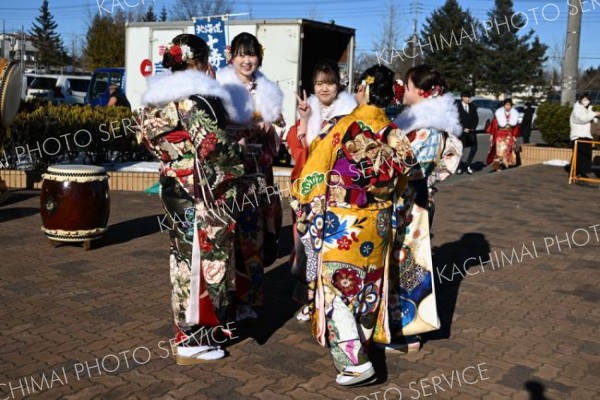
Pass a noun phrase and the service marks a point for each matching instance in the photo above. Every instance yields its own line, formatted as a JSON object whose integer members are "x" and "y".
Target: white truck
{"x": 292, "y": 46}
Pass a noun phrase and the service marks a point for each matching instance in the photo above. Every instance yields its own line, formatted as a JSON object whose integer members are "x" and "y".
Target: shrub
{"x": 47, "y": 134}
{"x": 553, "y": 123}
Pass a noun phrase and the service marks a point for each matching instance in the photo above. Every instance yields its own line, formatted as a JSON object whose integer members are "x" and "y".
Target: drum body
{"x": 74, "y": 202}
{"x": 11, "y": 84}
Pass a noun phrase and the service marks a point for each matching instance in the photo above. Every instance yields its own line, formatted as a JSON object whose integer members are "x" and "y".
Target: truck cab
{"x": 98, "y": 91}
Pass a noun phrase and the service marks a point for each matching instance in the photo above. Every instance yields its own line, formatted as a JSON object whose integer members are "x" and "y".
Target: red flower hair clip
{"x": 435, "y": 91}
{"x": 399, "y": 89}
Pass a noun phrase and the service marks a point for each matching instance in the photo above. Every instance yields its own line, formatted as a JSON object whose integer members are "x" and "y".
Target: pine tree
{"x": 448, "y": 42}
{"x": 106, "y": 41}
{"x": 46, "y": 40}
{"x": 509, "y": 61}
{"x": 163, "y": 14}
{"x": 150, "y": 16}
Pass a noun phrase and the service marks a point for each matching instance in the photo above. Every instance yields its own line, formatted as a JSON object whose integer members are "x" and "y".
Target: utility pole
{"x": 415, "y": 20}
{"x": 570, "y": 66}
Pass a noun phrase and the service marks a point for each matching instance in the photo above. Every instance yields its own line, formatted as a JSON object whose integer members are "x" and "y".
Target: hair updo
{"x": 198, "y": 47}
{"x": 381, "y": 90}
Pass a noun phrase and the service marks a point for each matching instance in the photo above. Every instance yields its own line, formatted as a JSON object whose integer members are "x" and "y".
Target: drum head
{"x": 75, "y": 169}
{"x": 11, "y": 83}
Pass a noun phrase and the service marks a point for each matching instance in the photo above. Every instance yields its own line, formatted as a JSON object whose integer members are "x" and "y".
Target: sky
{"x": 366, "y": 16}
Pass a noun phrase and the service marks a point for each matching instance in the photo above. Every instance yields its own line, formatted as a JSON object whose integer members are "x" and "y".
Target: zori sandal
{"x": 356, "y": 378}
{"x": 198, "y": 354}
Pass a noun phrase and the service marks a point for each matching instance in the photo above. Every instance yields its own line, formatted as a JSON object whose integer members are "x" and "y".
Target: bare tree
{"x": 187, "y": 9}
{"x": 388, "y": 49}
{"x": 313, "y": 13}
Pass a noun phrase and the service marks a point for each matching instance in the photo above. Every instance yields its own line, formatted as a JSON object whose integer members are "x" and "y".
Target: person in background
{"x": 468, "y": 117}
{"x": 526, "y": 122}
{"x": 581, "y": 129}
{"x": 183, "y": 126}
{"x": 503, "y": 132}
{"x": 329, "y": 101}
{"x": 117, "y": 97}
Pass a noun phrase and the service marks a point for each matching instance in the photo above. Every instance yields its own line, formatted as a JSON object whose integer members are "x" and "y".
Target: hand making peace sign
{"x": 303, "y": 106}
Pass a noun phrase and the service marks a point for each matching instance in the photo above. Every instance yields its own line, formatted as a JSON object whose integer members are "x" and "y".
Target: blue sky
{"x": 365, "y": 16}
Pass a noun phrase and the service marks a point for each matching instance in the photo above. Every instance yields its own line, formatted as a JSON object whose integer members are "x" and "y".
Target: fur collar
{"x": 438, "y": 113}
{"x": 173, "y": 86}
{"x": 342, "y": 105}
{"x": 268, "y": 96}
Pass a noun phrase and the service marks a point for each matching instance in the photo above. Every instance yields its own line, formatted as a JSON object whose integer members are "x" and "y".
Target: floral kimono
{"x": 183, "y": 125}
{"x": 433, "y": 128}
{"x": 503, "y": 135}
{"x": 259, "y": 224}
{"x": 343, "y": 202}
{"x": 318, "y": 122}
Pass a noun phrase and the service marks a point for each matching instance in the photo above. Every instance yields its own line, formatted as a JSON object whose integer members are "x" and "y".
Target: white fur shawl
{"x": 268, "y": 96}
{"x": 173, "y": 86}
{"x": 439, "y": 113}
{"x": 342, "y": 105}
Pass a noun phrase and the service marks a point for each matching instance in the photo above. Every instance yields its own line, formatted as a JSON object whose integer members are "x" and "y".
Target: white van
{"x": 58, "y": 89}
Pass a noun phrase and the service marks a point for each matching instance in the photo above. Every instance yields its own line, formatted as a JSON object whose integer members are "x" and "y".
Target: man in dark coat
{"x": 468, "y": 117}
{"x": 526, "y": 122}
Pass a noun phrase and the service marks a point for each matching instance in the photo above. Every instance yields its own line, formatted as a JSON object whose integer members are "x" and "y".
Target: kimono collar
{"x": 342, "y": 105}
{"x": 268, "y": 95}
{"x": 373, "y": 116}
{"x": 170, "y": 86}
{"x": 439, "y": 113}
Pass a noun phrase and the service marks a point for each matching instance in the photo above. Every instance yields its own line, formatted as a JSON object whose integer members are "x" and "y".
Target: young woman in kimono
{"x": 432, "y": 125}
{"x": 183, "y": 125}
{"x": 329, "y": 100}
{"x": 343, "y": 203}
{"x": 258, "y": 224}
{"x": 503, "y": 135}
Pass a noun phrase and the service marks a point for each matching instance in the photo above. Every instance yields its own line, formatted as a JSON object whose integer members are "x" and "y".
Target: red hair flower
{"x": 176, "y": 53}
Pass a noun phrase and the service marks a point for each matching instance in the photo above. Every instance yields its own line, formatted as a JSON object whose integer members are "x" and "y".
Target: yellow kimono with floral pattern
{"x": 343, "y": 201}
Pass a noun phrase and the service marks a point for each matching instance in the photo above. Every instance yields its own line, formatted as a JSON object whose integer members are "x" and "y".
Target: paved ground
{"x": 71, "y": 322}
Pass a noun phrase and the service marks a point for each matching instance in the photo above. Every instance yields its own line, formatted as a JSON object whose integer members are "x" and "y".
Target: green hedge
{"x": 553, "y": 123}
{"x": 52, "y": 133}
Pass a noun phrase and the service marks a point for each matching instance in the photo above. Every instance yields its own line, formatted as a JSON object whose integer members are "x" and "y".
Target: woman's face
{"x": 245, "y": 65}
{"x": 411, "y": 95}
{"x": 325, "y": 90}
{"x": 507, "y": 107}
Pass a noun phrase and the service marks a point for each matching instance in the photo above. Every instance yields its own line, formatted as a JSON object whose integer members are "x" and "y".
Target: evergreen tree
{"x": 448, "y": 42}
{"x": 46, "y": 40}
{"x": 150, "y": 16}
{"x": 163, "y": 14}
{"x": 509, "y": 61}
{"x": 106, "y": 41}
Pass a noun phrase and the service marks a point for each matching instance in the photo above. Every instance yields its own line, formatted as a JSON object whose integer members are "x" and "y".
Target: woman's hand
{"x": 303, "y": 106}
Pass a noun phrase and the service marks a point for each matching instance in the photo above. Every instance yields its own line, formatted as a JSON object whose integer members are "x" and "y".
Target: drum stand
{"x": 87, "y": 244}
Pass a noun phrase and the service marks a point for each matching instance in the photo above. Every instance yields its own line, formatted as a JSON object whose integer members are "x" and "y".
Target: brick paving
{"x": 94, "y": 324}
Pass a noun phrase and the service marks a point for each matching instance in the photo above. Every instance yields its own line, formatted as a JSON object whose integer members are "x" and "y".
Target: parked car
{"x": 484, "y": 112}
{"x": 486, "y": 109}
{"x": 521, "y": 109}
{"x": 98, "y": 91}
{"x": 58, "y": 89}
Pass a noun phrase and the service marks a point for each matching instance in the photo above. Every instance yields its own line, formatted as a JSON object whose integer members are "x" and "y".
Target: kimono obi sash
{"x": 355, "y": 186}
